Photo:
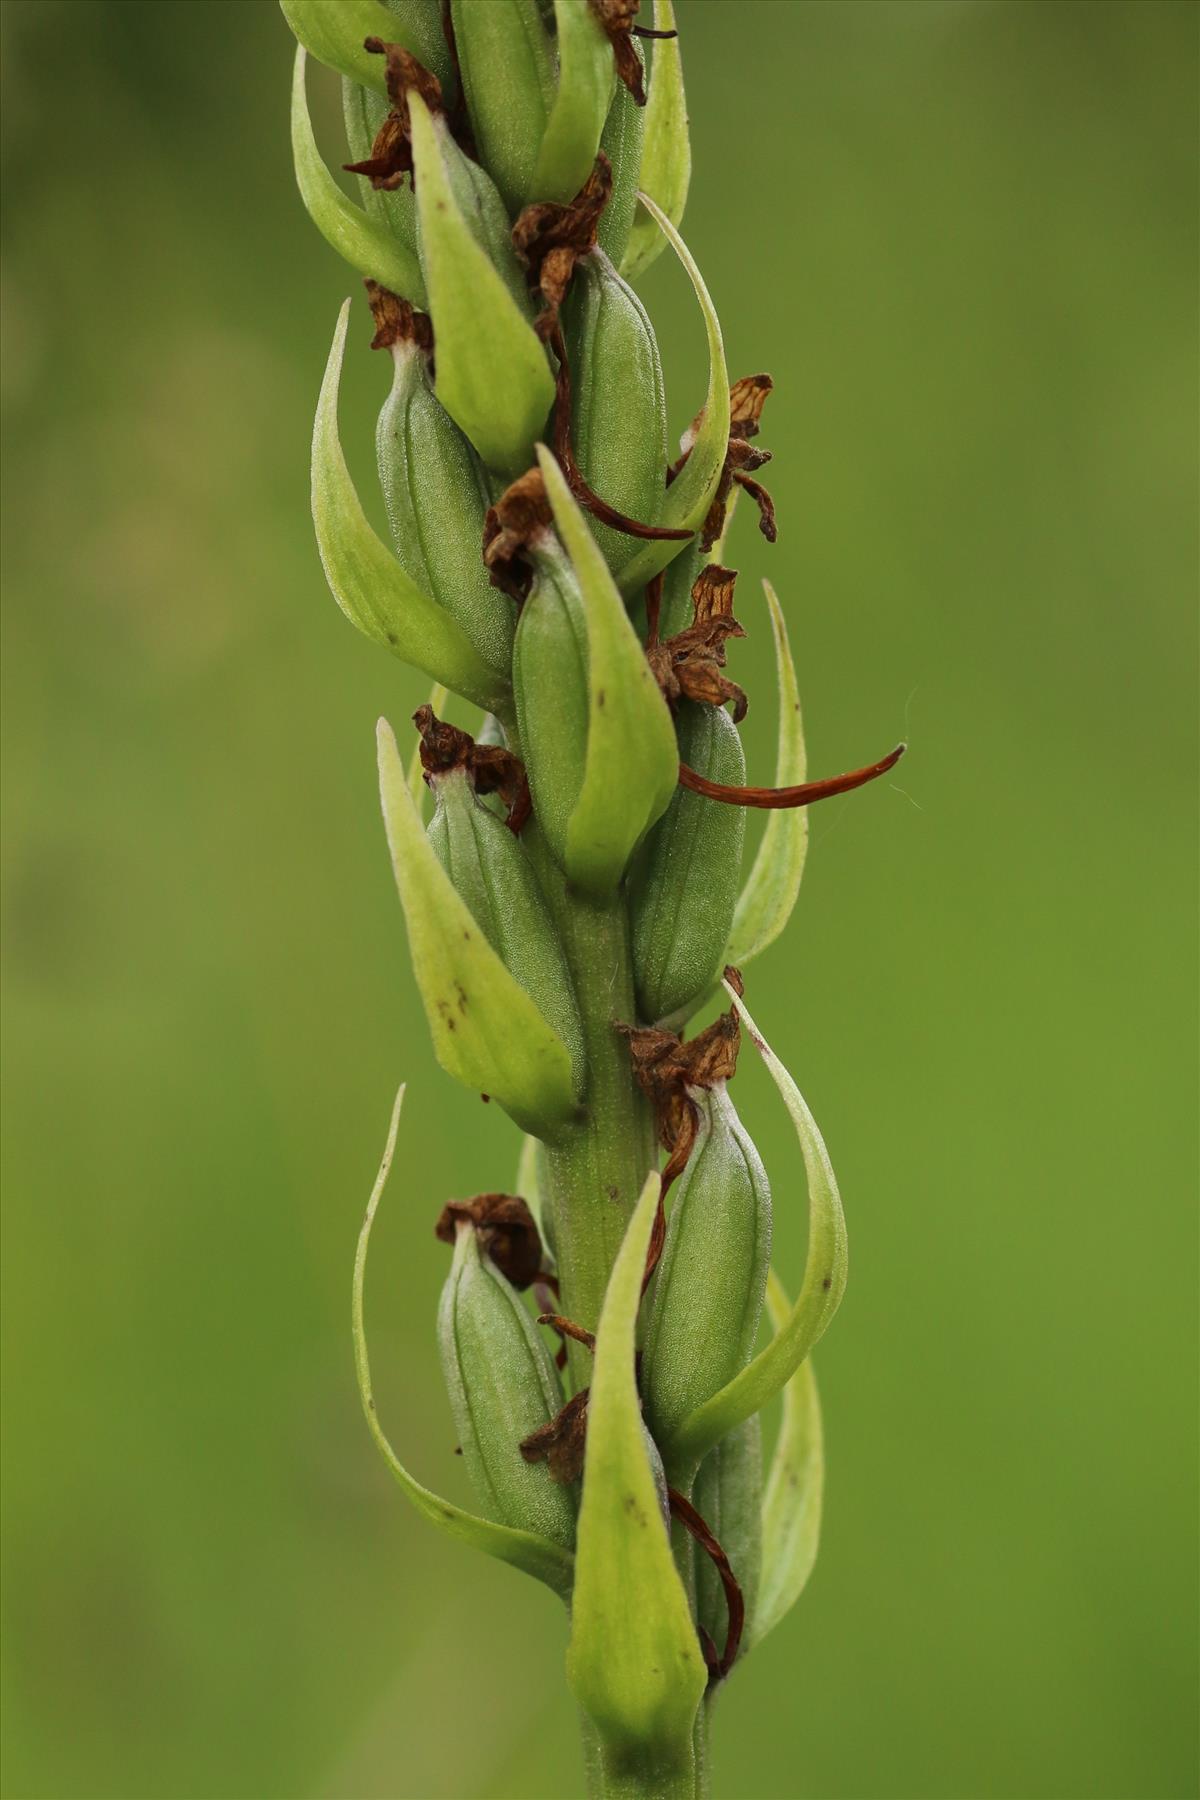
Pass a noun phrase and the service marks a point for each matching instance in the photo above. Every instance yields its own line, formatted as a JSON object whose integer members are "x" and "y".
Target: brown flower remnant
{"x": 550, "y": 239}
{"x": 777, "y": 799}
{"x": 561, "y": 1442}
{"x": 511, "y": 528}
{"x": 506, "y": 1229}
{"x": 391, "y": 153}
{"x": 690, "y": 665}
{"x": 665, "y": 1067}
{"x": 490, "y": 768}
{"x": 747, "y": 398}
{"x": 397, "y": 321}
{"x": 719, "y": 1665}
{"x": 616, "y": 17}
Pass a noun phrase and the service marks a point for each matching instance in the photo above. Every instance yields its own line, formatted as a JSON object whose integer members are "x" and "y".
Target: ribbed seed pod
{"x": 619, "y": 414}
{"x": 502, "y": 1386}
{"x": 728, "y": 1496}
{"x": 708, "y": 1289}
{"x": 686, "y": 887}
{"x": 508, "y": 76}
{"x": 491, "y": 873}
{"x": 550, "y": 685}
{"x": 435, "y": 493}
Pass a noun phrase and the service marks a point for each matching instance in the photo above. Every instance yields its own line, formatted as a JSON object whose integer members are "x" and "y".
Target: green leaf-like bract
{"x": 487, "y": 1032}
{"x": 366, "y": 243}
{"x": 691, "y": 493}
{"x": 585, "y": 85}
{"x": 367, "y": 581}
{"x": 667, "y": 152}
{"x": 536, "y": 1556}
{"x": 492, "y": 375}
{"x": 791, "y": 1514}
{"x": 334, "y": 30}
{"x": 820, "y": 1292}
{"x": 632, "y": 763}
{"x": 773, "y": 884}
{"x": 634, "y": 1660}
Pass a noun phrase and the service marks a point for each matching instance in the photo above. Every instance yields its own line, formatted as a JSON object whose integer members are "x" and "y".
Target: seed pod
{"x": 491, "y": 873}
{"x": 502, "y": 1387}
{"x": 508, "y": 79}
{"x": 436, "y": 498}
{"x": 550, "y": 686}
{"x": 624, "y": 134}
{"x": 492, "y": 374}
{"x": 619, "y": 415}
{"x": 686, "y": 887}
{"x": 334, "y": 32}
{"x": 708, "y": 1289}
{"x": 728, "y": 1494}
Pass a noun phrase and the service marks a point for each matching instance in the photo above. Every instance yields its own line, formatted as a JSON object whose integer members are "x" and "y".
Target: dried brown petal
{"x": 519, "y": 517}
{"x": 550, "y": 239}
{"x": 560, "y": 1444}
{"x": 391, "y": 153}
{"x": 397, "y": 321}
{"x": 507, "y": 1232}
{"x": 690, "y": 664}
{"x": 665, "y": 1067}
{"x": 747, "y": 397}
{"x": 616, "y": 17}
{"x": 490, "y": 767}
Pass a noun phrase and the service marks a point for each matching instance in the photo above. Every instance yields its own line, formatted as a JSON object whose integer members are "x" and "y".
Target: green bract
{"x": 766, "y": 902}
{"x": 728, "y": 1494}
{"x": 634, "y": 1662}
{"x": 791, "y": 1518}
{"x": 491, "y": 873}
{"x": 365, "y": 242}
{"x": 492, "y": 374}
{"x": 581, "y": 102}
{"x": 487, "y": 1032}
{"x": 502, "y": 1387}
{"x": 691, "y": 493}
{"x": 367, "y": 582}
{"x": 666, "y": 168}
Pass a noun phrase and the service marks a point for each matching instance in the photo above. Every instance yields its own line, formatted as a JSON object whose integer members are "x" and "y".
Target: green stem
{"x": 625, "y": 1773}
{"x": 596, "y": 1170}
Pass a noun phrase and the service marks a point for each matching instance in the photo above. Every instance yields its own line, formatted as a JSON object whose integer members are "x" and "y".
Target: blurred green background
{"x": 962, "y": 238}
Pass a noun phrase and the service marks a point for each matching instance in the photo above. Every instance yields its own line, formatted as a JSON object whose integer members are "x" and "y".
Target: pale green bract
{"x": 492, "y": 375}
{"x": 585, "y": 85}
{"x": 486, "y": 1030}
{"x": 634, "y": 1661}
{"x": 365, "y": 242}
{"x": 791, "y": 1513}
{"x": 334, "y": 30}
{"x": 666, "y": 151}
{"x": 820, "y": 1291}
{"x": 773, "y": 885}
{"x": 525, "y": 1550}
{"x": 366, "y": 580}
{"x": 632, "y": 763}
{"x": 691, "y": 493}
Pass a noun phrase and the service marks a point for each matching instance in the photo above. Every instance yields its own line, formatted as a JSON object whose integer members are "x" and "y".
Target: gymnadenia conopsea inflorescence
{"x": 578, "y": 895}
